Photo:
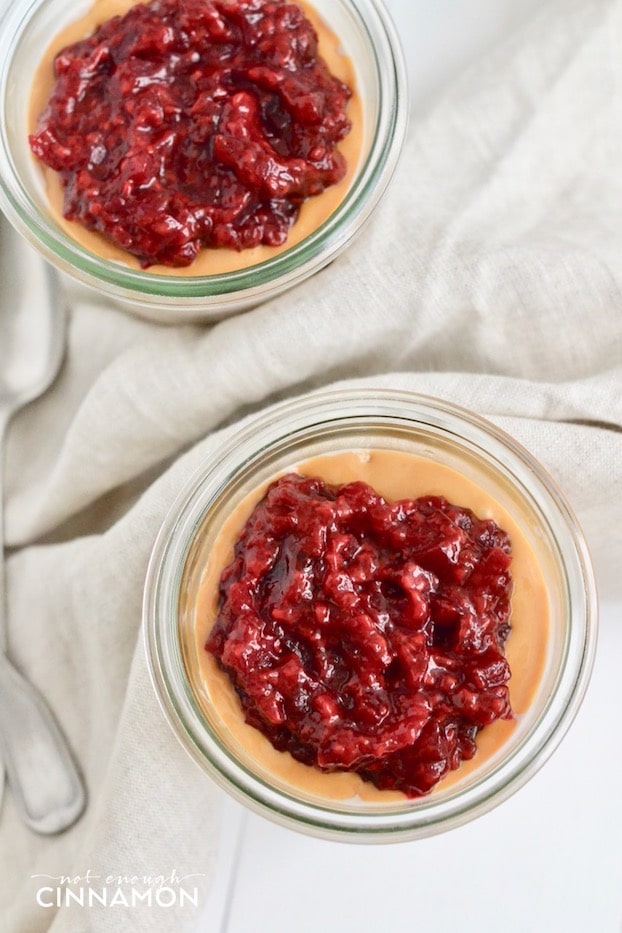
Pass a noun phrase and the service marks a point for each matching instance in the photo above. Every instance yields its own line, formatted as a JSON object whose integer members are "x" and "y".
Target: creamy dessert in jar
{"x": 368, "y": 625}
{"x": 195, "y": 138}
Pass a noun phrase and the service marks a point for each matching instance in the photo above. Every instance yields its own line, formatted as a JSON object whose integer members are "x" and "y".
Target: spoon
{"x": 42, "y": 775}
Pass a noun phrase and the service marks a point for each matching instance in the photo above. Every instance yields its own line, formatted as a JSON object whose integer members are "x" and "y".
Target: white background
{"x": 549, "y": 860}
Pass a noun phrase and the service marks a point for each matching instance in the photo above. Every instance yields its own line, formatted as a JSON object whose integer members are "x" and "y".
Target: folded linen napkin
{"x": 491, "y": 276}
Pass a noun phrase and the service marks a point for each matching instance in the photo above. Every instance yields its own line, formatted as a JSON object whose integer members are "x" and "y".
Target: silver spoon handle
{"x": 43, "y": 777}
{"x": 4, "y": 420}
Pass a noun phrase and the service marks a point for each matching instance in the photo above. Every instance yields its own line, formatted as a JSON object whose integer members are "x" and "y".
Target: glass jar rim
{"x": 431, "y": 814}
{"x": 287, "y": 268}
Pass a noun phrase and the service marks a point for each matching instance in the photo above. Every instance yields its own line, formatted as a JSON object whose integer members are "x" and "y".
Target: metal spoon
{"x": 42, "y": 775}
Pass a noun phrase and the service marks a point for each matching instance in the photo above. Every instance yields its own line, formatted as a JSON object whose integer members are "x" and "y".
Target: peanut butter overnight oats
{"x": 203, "y": 135}
{"x": 359, "y": 618}
{"x": 370, "y": 615}
{"x": 281, "y": 141}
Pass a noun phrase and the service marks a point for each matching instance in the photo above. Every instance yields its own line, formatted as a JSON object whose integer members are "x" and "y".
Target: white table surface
{"x": 549, "y": 860}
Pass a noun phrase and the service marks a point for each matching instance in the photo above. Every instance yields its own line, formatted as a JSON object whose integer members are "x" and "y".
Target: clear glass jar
{"x": 362, "y": 420}
{"x": 368, "y": 38}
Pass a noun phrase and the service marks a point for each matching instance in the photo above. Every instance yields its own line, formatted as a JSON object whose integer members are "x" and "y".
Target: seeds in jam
{"x": 194, "y": 123}
{"x": 365, "y": 635}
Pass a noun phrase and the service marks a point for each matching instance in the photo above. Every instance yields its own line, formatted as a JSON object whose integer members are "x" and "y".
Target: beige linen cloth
{"x": 491, "y": 275}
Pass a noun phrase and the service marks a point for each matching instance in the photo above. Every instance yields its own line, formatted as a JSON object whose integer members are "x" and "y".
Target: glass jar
{"x": 453, "y": 440}
{"x": 367, "y": 37}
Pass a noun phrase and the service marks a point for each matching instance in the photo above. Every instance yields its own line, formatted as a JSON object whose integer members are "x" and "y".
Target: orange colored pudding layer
{"x": 194, "y": 135}
{"x": 396, "y": 476}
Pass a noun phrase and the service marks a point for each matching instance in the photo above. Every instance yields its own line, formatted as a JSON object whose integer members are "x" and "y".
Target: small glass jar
{"x": 366, "y": 420}
{"x": 367, "y": 37}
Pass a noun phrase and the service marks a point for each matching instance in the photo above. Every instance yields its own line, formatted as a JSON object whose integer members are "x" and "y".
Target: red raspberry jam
{"x": 194, "y": 123}
{"x": 366, "y": 635}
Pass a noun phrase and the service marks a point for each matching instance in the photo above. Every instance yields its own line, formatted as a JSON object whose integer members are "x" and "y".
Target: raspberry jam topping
{"x": 366, "y": 635}
{"x": 194, "y": 123}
